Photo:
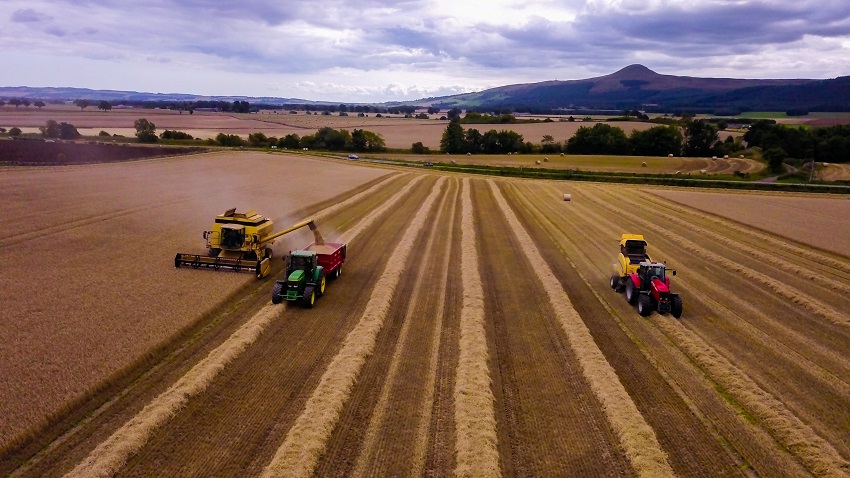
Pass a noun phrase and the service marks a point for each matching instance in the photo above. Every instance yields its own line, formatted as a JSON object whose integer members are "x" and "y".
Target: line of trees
{"x": 456, "y": 140}
{"x": 825, "y": 144}
{"x": 325, "y": 139}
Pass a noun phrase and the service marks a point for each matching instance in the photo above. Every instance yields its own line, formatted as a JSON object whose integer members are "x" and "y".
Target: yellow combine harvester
{"x": 240, "y": 242}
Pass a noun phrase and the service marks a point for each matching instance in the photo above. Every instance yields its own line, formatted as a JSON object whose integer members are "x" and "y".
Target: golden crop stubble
{"x": 637, "y": 437}
{"x": 110, "y": 455}
{"x": 475, "y": 417}
{"x": 308, "y": 437}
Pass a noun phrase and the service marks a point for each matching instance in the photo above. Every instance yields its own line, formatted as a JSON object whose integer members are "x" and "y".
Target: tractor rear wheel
{"x": 309, "y": 297}
{"x": 676, "y": 306}
{"x": 644, "y": 305}
{"x": 631, "y": 291}
{"x": 320, "y": 285}
{"x": 276, "y": 296}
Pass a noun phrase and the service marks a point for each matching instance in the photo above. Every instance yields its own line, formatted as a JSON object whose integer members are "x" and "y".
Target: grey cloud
{"x": 28, "y": 15}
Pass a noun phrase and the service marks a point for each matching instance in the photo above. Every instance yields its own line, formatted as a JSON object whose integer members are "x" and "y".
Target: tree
{"x": 68, "y": 131}
{"x": 2, "y": 103}
{"x": 50, "y": 129}
{"x": 26, "y": 102}
{"x": 453, "y": 140}
{"x": 229, "y": 140}
{"x": 453, "y": 113}
{"x": 700, "y": 137}
{"x": 775, "y": 157}
{"x": 82, "y": 104}
{"x": 290, "y": 141}
{"x": 474, "y": 141}
{"x": 368, "y": 141}
{"x": 600, "y": 139}
{"x": 419, "y": 148}
{"x": 145, "y": 131}
{"x": 14, "y": 131}
{"x": 38, "y": 104}
{"x": 549, "y": 145}
{"x": 15, "y": 101}
{"x": 432, "y": 110}
{"x": 104, "y": 105}
{"x": 657, "y": 141}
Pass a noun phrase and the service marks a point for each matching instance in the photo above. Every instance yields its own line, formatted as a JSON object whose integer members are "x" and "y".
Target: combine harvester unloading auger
{"x": 241, "y": 242}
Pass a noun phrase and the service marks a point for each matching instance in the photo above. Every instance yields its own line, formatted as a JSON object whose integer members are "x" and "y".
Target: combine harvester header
{"x": 240, "y": 242}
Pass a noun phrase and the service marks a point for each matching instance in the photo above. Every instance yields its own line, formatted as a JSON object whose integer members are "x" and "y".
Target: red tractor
{"x": 649, "y": 287}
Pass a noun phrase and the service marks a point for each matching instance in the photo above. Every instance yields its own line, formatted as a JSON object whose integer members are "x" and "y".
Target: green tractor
{"x": 305, "y": 279}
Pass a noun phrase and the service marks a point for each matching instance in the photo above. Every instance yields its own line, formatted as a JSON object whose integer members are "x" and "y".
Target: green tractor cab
{"x": 305, "y": 280}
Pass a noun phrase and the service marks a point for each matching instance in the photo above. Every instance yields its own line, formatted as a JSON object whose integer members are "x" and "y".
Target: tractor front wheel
{"x": 309, "y": 297}
{"x": 676, "y": 306}
{"x": 644, "y": 305}
{"x": 615, "y": 281}
{"x": 276, "y": 293}
{"x": 631, "y": 291}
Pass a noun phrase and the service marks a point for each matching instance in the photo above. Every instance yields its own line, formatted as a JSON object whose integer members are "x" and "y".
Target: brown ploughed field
{"x": 472, "y": 333}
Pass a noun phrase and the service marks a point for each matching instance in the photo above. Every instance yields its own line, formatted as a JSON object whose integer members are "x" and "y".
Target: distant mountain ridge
{"x": 633, "y": 87}
{"x": 638, "y": 87}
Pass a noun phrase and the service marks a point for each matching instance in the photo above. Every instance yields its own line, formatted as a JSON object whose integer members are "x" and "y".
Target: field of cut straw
{"x": 473, "y": 332}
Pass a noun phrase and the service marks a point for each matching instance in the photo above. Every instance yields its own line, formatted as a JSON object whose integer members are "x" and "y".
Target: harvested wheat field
{"x": 474, "y": 333}
{"x": 89, "y": 283}
{"x": 590, "y": 162}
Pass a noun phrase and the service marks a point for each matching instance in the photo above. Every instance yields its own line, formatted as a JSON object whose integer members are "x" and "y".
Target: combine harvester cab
{"x": 239, "y": 242}
{"x": 307, "y": 271}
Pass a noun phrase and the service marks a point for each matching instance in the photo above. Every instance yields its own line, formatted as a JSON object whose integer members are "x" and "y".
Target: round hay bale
{"x": 670, "y": 155}
{"x": 562, "y": 154}
{"x": 454, "y": 162}
{"x": 537, "y": 162}
{"x": 643, "y": 165}
{"x": 545, "y": 160}
{"x": 714, "y": 157}
{"x": 568, "y": 197}
{"x": 741, "y": 156}
{"x": 703, "y": 171}
{"x": 469, "y": 154}
{"x": 725, "y": 156}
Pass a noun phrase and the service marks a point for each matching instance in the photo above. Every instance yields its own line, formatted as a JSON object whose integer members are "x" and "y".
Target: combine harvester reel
{"x": 239, "y": 242}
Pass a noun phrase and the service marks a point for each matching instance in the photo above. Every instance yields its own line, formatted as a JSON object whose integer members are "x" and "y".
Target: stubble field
{"x": 472, "y": 333}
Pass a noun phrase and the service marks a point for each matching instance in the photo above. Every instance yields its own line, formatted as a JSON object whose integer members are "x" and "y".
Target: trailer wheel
{"x": 644, "y": 305}
{"x": 309, "y": 297}
{"x": 338, "y": 271}
{"x": 276, "y": 297}
{"x": 676, "y": 306}
{"x": 268, "y": 253}
{"x": 631, "y": 291}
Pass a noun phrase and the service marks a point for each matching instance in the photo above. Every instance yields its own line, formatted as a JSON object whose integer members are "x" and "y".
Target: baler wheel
{"x": 644, "y": 305}
{"x": 676, "y": 306}
{"x": 631, "y": 291}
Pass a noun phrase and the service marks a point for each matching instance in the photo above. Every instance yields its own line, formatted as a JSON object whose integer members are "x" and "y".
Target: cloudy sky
{"x": 379, "y": 50}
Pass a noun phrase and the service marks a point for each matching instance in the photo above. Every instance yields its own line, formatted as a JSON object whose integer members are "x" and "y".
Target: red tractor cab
{"x": 649, "y": 288}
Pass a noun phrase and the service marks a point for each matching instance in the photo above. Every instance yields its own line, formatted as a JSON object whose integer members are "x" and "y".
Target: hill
{"x": 636, "y": 86}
